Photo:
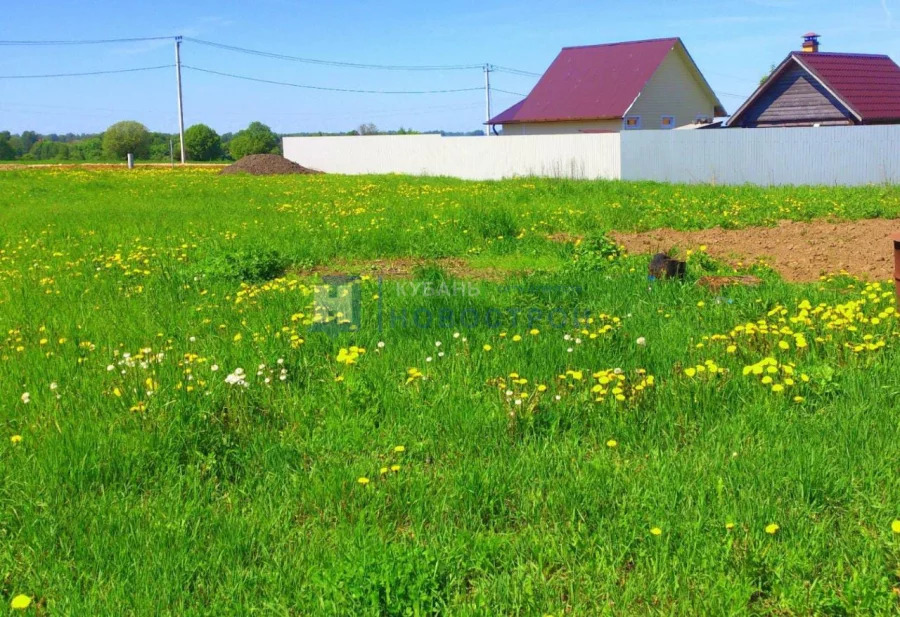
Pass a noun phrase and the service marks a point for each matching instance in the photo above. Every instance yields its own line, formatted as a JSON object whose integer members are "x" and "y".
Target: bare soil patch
{"x": 266, "y": 164}
{"x": 798, "y": 251}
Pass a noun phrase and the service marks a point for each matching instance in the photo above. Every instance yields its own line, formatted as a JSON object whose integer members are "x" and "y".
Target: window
{"x": 632, "y": 122}
{"x": 667, "y": 122}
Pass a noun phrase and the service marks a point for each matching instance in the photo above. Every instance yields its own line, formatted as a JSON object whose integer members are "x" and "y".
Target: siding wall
{"x": 672, "y": 91}
{"x": 848, "y": 155}
{"x": 588, "y": 156}
{"x": 561, "y": 128}
{"x": 795, "y": 99}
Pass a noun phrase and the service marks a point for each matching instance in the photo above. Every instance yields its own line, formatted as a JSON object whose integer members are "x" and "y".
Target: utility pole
{"x": 487, "y": 99}
{"x": 178, "y": 82}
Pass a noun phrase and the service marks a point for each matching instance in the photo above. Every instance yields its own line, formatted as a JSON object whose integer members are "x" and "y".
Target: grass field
{"x": 551, "y": 434}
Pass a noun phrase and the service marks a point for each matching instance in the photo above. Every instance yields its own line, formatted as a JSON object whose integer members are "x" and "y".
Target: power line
{"x": 739, "y": 96}
{"x": 90, "y": 41}
{"x": 387, "y": 67}
{"x": 506, "y": 69}
{"x": 507, "y": 92}
{"x": 278, "y": 56}
{"x": 142, "y": 68}
{"x": 307, "y": 87}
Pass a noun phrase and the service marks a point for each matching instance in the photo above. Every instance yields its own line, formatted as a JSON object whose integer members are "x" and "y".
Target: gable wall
{"x": 795, "y": 98}
{"x": 673, "y": 90}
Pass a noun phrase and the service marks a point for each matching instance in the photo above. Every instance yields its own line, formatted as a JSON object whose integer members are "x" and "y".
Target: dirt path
{"x": 20, "y": 166}
{"x": 799, "y": 251}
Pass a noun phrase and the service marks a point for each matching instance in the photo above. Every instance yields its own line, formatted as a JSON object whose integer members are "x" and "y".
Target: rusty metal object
{"x": 896, "y": 239}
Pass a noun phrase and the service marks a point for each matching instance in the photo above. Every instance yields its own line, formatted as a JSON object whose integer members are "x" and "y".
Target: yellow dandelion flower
{"x": 363, "y": 480}
{"x": 487, "y": 347}
{"x": 612, "y": 443}
{"x": 690, "y": 371}
{"x": 237, "y": 337}
{"x": 729, "y": 526}
{"x": 395, "y": 467}
{"x": 534, "y": 332}
{"x": 15, "y": 439}
{"x": 772, "y": 528}
{"x": 383, "y": 470}
{"x": 399, "y": 449}
{"x": 656, "y": 531}
{"x": 20, "y": 602}
{"x": 895, "y": 526}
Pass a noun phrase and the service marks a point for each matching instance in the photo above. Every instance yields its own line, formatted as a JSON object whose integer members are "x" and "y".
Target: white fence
{"x": 472, "y": 158}
{"x": 828, "y": 155}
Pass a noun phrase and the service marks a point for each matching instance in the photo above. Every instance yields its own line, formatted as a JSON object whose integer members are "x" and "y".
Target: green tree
{"x": 124, "y": 137}
{"x": 46, "y": 150}
{"x": 255, "y": 139}
{"x": 202, "y": 143}
{"x": 367, "y": 129}
{"x": 27, "y": 139}
{"x": 90, "y": 149}
{"x": 765, "y": 78}
{"x": 6, "y": 151}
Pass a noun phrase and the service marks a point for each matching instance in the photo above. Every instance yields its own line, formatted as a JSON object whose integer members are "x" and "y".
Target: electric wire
{"x": 89, "y": 73}
{"x": 90, "y": 41}
{"x": 387, "y": 67}
{"x": 325, "y": 88}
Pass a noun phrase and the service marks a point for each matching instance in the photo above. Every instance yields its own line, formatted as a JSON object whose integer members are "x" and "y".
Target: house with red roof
{"x": 814, "y": 88}
{"x": 636, "y": 85}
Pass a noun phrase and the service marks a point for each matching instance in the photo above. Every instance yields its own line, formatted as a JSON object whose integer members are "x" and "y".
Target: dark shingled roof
{"x": 593, "y": 82}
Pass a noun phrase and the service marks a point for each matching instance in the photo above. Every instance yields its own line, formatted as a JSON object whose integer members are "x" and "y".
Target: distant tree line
{"x": 201, "y": 143}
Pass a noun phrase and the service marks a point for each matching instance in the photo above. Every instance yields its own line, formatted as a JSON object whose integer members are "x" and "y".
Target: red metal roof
{"x": 868, "y": 84}
{"x": 593, "y": 82}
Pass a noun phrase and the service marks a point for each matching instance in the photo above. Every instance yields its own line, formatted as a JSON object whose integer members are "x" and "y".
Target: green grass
{"x": 205, "y": 498}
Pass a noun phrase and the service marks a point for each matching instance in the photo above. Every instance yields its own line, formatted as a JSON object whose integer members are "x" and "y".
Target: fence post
{"x": 896, "y": 241}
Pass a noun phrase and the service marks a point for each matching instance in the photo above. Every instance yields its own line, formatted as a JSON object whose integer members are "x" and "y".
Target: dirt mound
{"x": 266, "y": 164}
{"x": 799, "y": 251}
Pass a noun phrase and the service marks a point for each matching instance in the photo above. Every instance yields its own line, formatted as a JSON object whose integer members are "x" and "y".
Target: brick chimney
{"x": 811, "y": 42}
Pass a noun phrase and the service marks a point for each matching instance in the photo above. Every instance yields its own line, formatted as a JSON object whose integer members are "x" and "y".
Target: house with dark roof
{"x": 637, "y": 85}
{"x": 814, "y": 88}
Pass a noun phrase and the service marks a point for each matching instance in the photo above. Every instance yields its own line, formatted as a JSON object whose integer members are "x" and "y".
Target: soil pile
{"x": 266, "y": 164}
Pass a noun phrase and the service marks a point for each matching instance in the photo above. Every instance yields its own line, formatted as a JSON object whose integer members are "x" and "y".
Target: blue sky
{"x": 734, "y": 43}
